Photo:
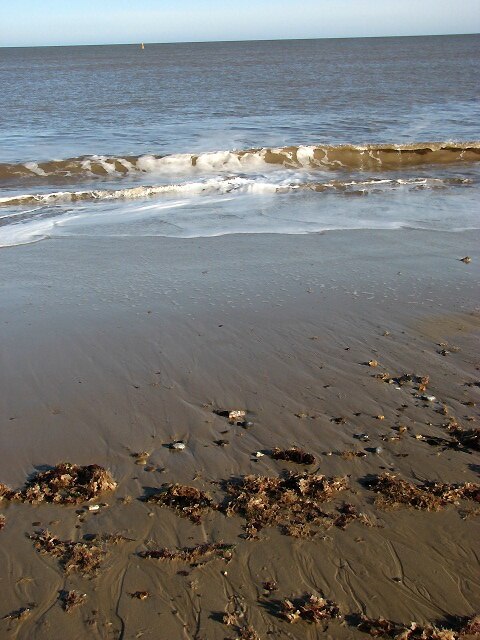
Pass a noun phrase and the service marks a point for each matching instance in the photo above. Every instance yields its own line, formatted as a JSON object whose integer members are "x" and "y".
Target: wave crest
{"x": 348, "y": 157}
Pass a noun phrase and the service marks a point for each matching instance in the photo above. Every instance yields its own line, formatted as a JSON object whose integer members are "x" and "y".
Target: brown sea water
{"x": 217, "y": 138}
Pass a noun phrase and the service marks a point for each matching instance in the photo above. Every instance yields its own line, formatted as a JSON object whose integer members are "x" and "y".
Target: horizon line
{"x": 137, "y": 42}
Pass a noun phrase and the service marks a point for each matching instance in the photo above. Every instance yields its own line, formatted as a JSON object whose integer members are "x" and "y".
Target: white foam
{"x": 219, "y": 185}
{"x": 306, "y": 156}
{"x": 34, "y": 168}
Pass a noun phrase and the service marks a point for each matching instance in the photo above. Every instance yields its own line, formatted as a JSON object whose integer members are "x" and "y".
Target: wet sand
{"x": 110, "y": 347}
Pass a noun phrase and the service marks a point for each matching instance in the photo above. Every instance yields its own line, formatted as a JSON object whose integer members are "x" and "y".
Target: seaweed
{"x": 467, "y": 438}
{"x": 192, "y": 554}
{"x": 419, "y": 382}
{"x": 376, "y": 627}
{"x": 294, "y": 454}
{"x": 6, "y": 493}
{"x": 347, "y": 514}
{"x": 19, "y": 614}
{"x": 236, "y": 619}
{"x": 3, "y": 520}
{"x": 429, "y": 496}
{"x": 311, "y": 608}
{"x": 71, "y": 600}
{"x": 381, "y": 628}
{"x": 82, "y": 557}
{"x": 65, "y": 483}
{"x": 187, "y": 501}
{"x": 292, "y": 502}
{"x": 351, "y": 455}
{"x": 270, "y": 586}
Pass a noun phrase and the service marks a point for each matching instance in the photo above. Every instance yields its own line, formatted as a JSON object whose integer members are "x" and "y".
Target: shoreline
{"x": 111, "y": 347}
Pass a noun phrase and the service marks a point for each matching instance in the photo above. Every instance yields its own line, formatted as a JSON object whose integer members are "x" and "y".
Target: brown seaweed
{"x": 6, "y": 493}
{"x": 192, "y": 554}
{"x": 419, "y": 382}
{"x": 65, "y": 483}
{"x": 270, "y": 586}
{"x": 71, "y": 600}
{"x": 468, "y": 438}
{"x": 310, "y": 608}
{"x": 382, "y": 628}
{"x": 292, "y": 502}
{"x": 82, "y": 557}
{"x": 19, "y": 614}
{"x": 294, "y": 454}
{"x": 187, "y": 501}
{"x": 429, "y": 496}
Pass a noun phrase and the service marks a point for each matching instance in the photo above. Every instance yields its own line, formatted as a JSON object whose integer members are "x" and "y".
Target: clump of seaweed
{"x": 82, "y": 557}
{"x": 187, "y": 501}
{"x": 382, "y": 628}
{"x": 294, "y": 454}
{"x": 192, "y": 555}
{"x": 376, "y": 627}
{"x": 3, "y": 520}
{"x": 351, "y": 455}
{"x": 419, "y": 382}
{"x": 19, "y": 614}
{"x": 471, "y": 626}
{"x": 292, "y": 502}
{"x": 467, "y": 438}
{"x": 72, "y": 599}
{"x": 429, "y": 496}
{"x": 63, "y": 484}
{"x": 6, "y": 493}
{"x": 452, "y": 493}
{"x": 270, "y": 586}
{"x": 110, "y": 538}
{"x": 140, "y": 595}
{"x": 311, "y": 608}
{"x": 348, "y": 513}
{"x": 235, "y": 616}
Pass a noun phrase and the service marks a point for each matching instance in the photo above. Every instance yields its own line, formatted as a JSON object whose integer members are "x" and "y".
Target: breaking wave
{"x": 349, "y": 157}
{"x": 230, "y": 185}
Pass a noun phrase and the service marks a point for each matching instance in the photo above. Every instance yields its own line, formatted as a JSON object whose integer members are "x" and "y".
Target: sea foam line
{"x": 224, "y": 186}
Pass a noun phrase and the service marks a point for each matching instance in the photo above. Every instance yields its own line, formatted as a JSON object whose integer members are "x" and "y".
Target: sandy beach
{"x": 113, "y": 349}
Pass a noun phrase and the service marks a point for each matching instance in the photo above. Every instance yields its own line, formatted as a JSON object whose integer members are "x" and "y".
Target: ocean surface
{"x": 192, "y": 140}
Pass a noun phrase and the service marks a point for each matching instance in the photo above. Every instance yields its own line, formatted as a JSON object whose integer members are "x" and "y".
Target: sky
{"x": 67, "y": 22}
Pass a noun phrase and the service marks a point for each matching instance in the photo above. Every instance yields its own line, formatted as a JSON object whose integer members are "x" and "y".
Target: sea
{"x": 205, "y": 139}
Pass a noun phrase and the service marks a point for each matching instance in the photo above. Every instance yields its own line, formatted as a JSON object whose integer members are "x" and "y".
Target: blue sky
{"x": 58, "y": 22}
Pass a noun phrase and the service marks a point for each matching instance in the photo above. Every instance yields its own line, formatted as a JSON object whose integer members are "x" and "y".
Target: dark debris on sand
{"x": 292, "y": 502}
{"x": 310, "y": 608}
{"x": 382, "y": 628}
{"x": 65, "y": 483}
{"x": 192, "y": 555}
{"x": 407, "y": 379}
{"x": 82, "y": 557}
{"x": 467, "y": 438}
{"x": 187, "y": 501}
{"x": 3, "y": 521}
{"x": 294, "y": 454}
{"x": 72, "y": 599}
{"x": 430, "y": 496}
{"x": 19, "y": 614}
